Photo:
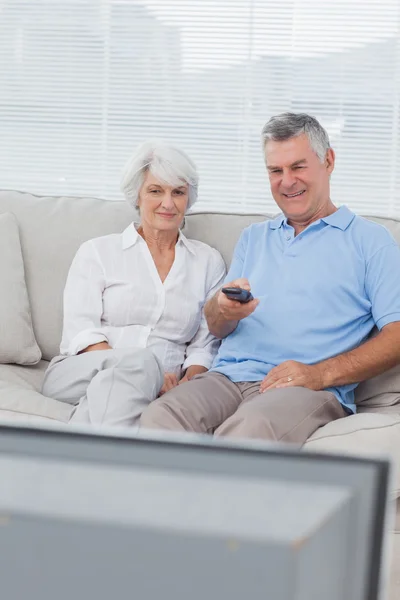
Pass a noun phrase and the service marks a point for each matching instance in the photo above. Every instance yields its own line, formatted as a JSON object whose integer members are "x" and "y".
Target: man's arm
{"x": 223, "y": 314}
{"x": 216, "y": 322}
{"x": 372, "y": 358}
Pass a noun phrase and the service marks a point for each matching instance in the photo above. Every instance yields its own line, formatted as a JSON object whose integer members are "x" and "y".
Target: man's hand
{"x": 191, "y": 372}
{"x": 292, "y": 373}
{"x": 232, "y": 310}
{"x": 170, "y": 381}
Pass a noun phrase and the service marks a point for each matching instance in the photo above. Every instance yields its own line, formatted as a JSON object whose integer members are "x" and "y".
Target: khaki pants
{"x": 211, "y": 403}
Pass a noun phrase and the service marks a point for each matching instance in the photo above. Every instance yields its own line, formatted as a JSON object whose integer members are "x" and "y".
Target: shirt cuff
{"x": 203, "y": 359}
{"x": 83, "y": 340}
{"x": 392, "y": 318}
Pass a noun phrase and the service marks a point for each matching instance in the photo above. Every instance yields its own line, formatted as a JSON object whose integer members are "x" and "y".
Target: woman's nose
{"x": 168, "y": 200}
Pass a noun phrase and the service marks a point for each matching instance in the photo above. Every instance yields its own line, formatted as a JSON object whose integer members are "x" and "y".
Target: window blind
{"x": 83, "y": 81}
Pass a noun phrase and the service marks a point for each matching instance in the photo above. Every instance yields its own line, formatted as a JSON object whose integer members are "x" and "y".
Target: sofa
{"x": 39, "y": 237}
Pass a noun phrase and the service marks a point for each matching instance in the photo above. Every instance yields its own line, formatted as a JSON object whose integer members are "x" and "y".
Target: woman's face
{"x": 162, "y": 207}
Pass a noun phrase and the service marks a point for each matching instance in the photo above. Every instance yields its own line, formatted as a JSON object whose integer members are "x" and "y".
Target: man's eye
{"x": 299, "y": 167}
{"x": 275, "y": 171}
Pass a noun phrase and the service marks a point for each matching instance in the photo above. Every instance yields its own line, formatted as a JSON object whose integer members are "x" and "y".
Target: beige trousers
{"x": 211, "y": 403}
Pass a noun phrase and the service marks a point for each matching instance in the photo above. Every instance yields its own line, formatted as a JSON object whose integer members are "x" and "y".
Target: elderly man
{"x": 321, "y": 278}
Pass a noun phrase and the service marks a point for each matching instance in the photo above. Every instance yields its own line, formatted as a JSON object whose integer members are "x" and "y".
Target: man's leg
{"x": 285, "y": 415}
{"x": 109, "y": 387}
{"x": 200, "y": 405}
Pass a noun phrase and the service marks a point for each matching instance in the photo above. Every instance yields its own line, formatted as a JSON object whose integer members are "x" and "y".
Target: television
{"x": 97, "y": 515}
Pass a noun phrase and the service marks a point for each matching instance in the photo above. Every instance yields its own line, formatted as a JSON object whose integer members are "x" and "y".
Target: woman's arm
{"x": 83, "y": 303}
{"x": 99, "y": 346}
{"x": 201, "y": 350}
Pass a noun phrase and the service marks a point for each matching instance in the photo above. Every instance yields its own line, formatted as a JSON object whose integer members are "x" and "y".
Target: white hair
{"x": 288, "y": 125}
{"x": 166, "y": 162}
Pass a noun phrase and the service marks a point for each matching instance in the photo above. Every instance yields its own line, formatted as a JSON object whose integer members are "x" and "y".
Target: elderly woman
{"x": 133, "y": 302}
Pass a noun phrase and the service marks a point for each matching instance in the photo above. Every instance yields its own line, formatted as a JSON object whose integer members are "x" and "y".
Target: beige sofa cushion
{"x": 221, "y": 231}
{"x": 19, "y": 396}
{"x": 9, "y": 417}
{"x": 362, "y": 434}
{"x": 17, "y": 339}
{"x": 18, "y": 399}
{"x": 51, "y": 231}
{"x": 30, "y": 377}
{"x": 381, "y": 393}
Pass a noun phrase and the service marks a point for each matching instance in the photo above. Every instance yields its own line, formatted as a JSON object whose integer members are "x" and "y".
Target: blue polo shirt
{"x": 321, "y": 293}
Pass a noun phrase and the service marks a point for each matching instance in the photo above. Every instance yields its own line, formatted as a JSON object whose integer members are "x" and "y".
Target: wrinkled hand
{"x": 191, "y": 372}
{"x": 170, "y": 381}
{"x": 232, "y": 310}
{"x": 292, "y": 373}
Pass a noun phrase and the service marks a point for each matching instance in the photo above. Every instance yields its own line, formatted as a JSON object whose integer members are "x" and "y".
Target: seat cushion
{"x": 30, "y": 377}
{"x": 17, "y": 339}
{"x": 365, "y": 434}
{"x": 10, "y": 417}
{"x": 20, "y": 395}
{"x": 379, "y": 392}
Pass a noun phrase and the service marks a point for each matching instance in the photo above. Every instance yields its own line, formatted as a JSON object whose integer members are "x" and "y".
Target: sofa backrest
{"x": 53, "y": 228}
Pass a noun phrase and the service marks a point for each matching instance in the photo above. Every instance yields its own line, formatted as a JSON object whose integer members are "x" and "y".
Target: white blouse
{"x": 114, "y": 294}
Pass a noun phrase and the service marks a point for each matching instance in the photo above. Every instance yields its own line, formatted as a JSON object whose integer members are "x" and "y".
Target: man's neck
{"x": 302, "y": 224}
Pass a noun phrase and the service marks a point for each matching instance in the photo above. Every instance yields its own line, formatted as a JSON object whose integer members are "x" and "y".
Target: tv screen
{"x": 89, "y": 515}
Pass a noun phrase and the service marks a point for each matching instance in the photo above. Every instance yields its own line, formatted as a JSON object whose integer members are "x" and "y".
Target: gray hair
{"x": 166, "y": 162}
{"x": 288, "y": 125}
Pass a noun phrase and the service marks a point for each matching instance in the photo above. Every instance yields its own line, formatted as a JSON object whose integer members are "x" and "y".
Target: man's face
{"x": 299, "y": 181}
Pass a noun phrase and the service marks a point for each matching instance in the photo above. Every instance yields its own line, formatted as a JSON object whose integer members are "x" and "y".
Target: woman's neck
{"x": 157, "y": 239}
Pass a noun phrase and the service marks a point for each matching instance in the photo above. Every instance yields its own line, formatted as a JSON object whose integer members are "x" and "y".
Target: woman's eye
{"x": 154, "y": 191}
{"x": 179, "y": 192}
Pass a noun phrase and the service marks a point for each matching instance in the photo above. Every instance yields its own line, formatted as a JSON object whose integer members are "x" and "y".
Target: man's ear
{"x": 330, "y": 160}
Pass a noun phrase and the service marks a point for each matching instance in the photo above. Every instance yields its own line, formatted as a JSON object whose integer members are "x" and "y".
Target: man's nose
{"x": 288, "y": 179}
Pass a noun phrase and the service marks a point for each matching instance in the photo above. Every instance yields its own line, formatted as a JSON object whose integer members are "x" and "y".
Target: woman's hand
{"x": 170, "y": 381}
{"x": 99, "y": 346}
{"x": 191, "y": 372}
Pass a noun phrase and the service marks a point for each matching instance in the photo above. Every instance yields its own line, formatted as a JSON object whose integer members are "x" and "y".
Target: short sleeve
{"x": 382, "y": 284}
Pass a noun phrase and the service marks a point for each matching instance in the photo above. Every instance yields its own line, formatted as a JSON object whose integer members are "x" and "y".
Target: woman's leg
{"x": 109, "y": 387}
